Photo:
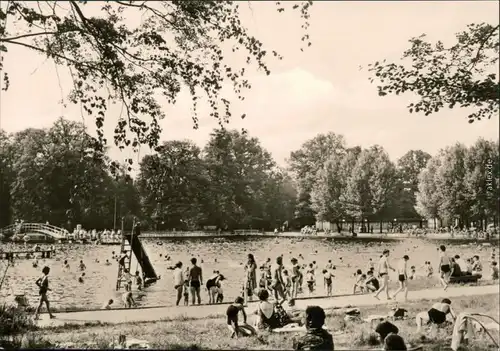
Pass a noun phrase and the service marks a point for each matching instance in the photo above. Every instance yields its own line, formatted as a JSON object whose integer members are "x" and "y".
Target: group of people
{"x": 189, "y": 282}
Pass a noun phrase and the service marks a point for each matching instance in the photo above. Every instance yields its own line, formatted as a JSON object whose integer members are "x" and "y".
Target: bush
{"x": 13, "y": 321}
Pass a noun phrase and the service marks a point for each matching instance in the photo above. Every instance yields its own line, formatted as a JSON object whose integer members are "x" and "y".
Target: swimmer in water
{"x": 80, "y": 279}
{"x": 107, "y": 263}
{"x": 82, "y": 266}
{"x": 66, "y": 264}
{"x": 35, "y": 263}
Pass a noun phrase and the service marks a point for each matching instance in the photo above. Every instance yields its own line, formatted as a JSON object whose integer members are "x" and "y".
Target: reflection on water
{"x": 226, "y": 255}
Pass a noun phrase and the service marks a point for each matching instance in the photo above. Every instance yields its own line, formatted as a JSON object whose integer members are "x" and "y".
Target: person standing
{"x": 277, "y": 279}
{"x": 178, "y": 282}
{"x": 195, "y": 279}
{"x": 251, "y": 276}
{"x": 383, "y": 272}
{"x": 444, "y": 266}
{"x": 403, "y": 277}
{"x": 43, "y": 285}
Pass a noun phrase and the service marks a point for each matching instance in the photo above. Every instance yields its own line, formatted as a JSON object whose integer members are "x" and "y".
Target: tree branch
{"x": 475, "y": 60}
{"x": 28, "y": 35}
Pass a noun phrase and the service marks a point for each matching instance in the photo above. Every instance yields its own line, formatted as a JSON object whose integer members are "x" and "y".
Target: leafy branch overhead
{"x": 463, "y": 75}
{"x": 175, "y": 45}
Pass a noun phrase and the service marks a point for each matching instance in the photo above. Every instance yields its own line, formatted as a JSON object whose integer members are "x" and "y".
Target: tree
{"x": 172, "y": 185}
{"x": 369, "y": 187}
{"x": 305, "y": 164}
{"x": 463, "y": 75}
{"x": 428, "y": 198}
{"x": 326, "y": 196}
{"x": 60, "y": 177}
{"x": 6, "y": 178}
{"x": 238, "y": 170}
{"x": 450, "y": 184}
{"x": 176, "y": 46}
{"x": 481, "y": 179}
{"x": 279, "y": 196}
{"x": 408, "y": 169}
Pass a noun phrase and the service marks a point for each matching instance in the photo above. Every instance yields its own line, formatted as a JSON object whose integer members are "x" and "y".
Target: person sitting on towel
{"x": 394, "y": 342}
{"x": 436, "y": 315}
{"x": 232, "y": 316}
{"x": 385, "y": 328}
{"x": 270, "y": 315}
{"x": 316, "y": 338}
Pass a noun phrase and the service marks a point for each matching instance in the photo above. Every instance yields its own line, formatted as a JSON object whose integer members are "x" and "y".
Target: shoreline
{"x": 151, "y": 314}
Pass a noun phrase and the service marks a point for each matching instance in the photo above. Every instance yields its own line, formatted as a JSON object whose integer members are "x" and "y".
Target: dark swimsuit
{"x": 195, "y": 284}
{"x": 402, "y": 278}
{"x": 445, "y": 268}
{"x": 436, "y": 316}
{"x": 232, "y": 315}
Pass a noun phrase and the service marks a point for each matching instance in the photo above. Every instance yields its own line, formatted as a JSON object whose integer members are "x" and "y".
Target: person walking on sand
{"x": 383, "y": 272}
{"x": 195, "y": 279}
{"x": 444, "y": 267}
{"x": 43, "y": 285}
{"x": 402, "y": 277}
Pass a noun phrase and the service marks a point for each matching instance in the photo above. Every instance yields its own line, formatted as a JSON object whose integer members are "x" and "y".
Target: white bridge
{"x": 41, "y": 228}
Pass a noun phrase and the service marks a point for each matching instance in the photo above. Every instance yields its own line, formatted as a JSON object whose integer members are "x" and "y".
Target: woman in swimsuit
{"x": 43, "y": 285}
{"x": 436, "y": 315}
{"x": 444, "y": 267}
{"x": 268, "y": 317}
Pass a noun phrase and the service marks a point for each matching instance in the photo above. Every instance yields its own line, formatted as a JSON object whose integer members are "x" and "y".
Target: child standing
{"x": 311, "y": 281}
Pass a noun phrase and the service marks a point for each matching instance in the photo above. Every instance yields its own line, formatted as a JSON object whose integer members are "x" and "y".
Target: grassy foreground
{"x": 212, "y": 333}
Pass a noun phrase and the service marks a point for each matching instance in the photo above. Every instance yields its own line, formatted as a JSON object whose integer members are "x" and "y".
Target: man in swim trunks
{"x": 444, "y": 267}
{"x": 195, "y": 279}
{"x": 402, "y": 277}
{"x": 383, "y": 272}
{"x": 436, "y": 315}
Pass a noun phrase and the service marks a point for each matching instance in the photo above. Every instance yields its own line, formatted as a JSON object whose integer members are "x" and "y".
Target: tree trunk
{"x": 380, "y": 227}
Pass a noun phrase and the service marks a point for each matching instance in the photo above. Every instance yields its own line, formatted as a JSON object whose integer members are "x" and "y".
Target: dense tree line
{"x": 57, "y": 175}
{"x": 461, "y": 184}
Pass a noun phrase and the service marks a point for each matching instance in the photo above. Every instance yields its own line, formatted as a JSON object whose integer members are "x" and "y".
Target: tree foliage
{"x": 461, "y": 184}
{"x": 305, "y": 165}
{"x": 57, "y": 176}
{"x": 172, "y": 184}
{"x": 369, "y": 189}
{"x": 462, "y": 75}
{"x": 176, "y": 45}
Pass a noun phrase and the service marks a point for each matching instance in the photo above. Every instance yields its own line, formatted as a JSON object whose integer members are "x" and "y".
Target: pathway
{"x": 172, "y": 312}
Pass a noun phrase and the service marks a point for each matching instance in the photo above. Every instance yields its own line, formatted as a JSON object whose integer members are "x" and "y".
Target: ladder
{"x": 126, "y": 249}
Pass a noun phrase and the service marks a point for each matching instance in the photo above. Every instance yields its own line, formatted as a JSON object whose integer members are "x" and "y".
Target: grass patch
{"x": 211, "y": 333}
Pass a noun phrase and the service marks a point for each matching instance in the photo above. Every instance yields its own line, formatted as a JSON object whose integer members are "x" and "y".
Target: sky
{"x": 316, "y": 91}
